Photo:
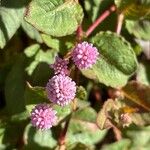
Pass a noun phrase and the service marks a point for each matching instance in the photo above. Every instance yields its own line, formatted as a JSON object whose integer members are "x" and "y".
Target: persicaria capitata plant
{"x": 74, "y": 74}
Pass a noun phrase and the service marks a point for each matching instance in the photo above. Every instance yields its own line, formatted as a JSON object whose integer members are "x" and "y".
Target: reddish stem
{"x": 117, "y": 133}
{"x": 100, "y": 19}
{"x": 119, "y": 23}
{"x": 79, "y": 33}
{"x": 63, "y": 134}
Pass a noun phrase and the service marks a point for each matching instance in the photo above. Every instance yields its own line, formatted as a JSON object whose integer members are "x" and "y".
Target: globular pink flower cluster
{"x": 60, "y": 66}
{"x": 43, "y": 116}
{"x": 61, "y": 89}
{"x": 85, "y": 55}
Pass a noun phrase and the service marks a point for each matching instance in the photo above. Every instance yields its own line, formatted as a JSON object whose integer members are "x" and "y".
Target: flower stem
{"x": 119, "y": 23}
{"x": 79, "y": 33}
{"x": 117, "y": 133}
{"x": 100, "y": 19}
{"x": 62, "y": 138}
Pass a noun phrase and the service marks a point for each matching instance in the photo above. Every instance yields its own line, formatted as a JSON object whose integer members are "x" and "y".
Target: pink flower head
{"x": 61, "y": 89}
{"x": 84, "y": 55}
{"x": 60, "y": 66}
{"x": 43, "y": 116}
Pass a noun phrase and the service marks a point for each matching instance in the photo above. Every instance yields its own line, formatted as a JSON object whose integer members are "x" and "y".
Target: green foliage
{"x": 143, "y": 73}
{"x": 140, "y": 28}
{"x": 38, "y": 139}
{"x": 141, "y": 119}
{"x": 96, "y": 7}
{"x": 10, "y": 20}
{"x": 31, "y": 31}
{"x": 31, "y": 50}
{"x": 121, "y": 145}
{"x": 139, "y": 136}
{"x": 38, "y": 55}
{"x": 81, "y": 93}
{"x": 63, "y": 112}
{"x": 117, "y": 60}
{"x": 56, "y": 17}
{"x": 79, "y": 146}
{"x": 14, "y": 87}
{"x": 130, "y": 8}
{"x": 33, "y": 96}
{"x": 83, "y": 129}
{"x": 50, "y": 41}
{"x": 114, "y": 104}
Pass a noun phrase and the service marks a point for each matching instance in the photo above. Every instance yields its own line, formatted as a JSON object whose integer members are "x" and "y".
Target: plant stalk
{"x": 100, "y": 19}
{"x": 119, "y": 23}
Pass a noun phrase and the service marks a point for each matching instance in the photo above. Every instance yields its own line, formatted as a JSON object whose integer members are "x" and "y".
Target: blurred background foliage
{"x": 33, "y": 32}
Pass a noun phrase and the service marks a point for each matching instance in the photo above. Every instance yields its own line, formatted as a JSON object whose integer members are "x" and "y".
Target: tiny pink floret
{"x": 43, "y": 116}
{"x": 61, "y": 89}
{"x": 85, "y": 55}
{"x": 60, "y": 66}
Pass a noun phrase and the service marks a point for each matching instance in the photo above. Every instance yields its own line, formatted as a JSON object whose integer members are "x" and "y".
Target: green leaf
{"x": 32, "y": 50}
{"x": 140, "y": 29}
{"x": 79, "y": 146}
{"x": 30, "y": 69}
{"x": 40, "y": 79}
{"x": 139, "y": 136}
{"x": 117, "y": 60}
{"x": 86, "y": 114}
{"x": 83, "y": 129}
{"x": 138, "y": 93}
{"x": 143, "y": 73}
{"x": 81, "y": 93}
{"x": 62, "y": 112}
{"x": 11, "y": 133}
{"x": 50, "y": 41}
{"x": 120, "y": 145}
{"x": 56, "y": 17}
{"x": 20, "y": 117}
{"x": 34, "y": 96}
{"x": 10, "y": 19}
{"x": 2, "y": 131}
{"x": 141, "y": 119}
{"x": 46, "y": 56}
{"x": 37, "y": 139}
{"x": 31, "y": 31}
{"x": 134, "y": 9}
{"x": 89, "y": 74}
{"x": 14, "y": 87}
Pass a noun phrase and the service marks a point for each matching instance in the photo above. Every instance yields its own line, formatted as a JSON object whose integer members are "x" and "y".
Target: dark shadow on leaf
{"x": 13, "y": 134}
{"x": 14, "y": 3}
{"x": 147, "y": 69}
{"x": 56, "y": 131}
{"x": 40, "y": 75}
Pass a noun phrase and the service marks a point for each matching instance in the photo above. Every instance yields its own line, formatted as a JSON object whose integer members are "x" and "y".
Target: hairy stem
{"x": 100, "y": 19}
{"x": 119, "y": 23}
